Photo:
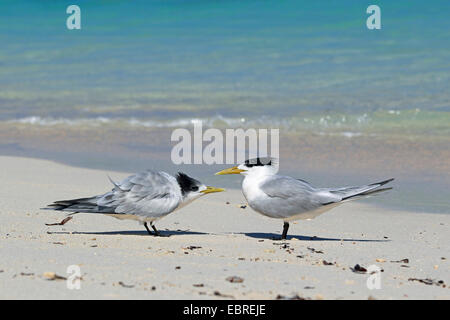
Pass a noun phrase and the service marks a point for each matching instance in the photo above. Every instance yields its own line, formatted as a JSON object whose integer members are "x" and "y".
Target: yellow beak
{"x": 212, "y": 190}
{"x": 233, "y": 170}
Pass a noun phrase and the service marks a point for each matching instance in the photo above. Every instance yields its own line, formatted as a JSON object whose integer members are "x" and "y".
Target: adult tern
{"x": 289, "y": 199}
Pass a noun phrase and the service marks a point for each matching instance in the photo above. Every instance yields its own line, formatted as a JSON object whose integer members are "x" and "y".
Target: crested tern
{"x": 145, "y": 197}
{"x": 289, "y": 199}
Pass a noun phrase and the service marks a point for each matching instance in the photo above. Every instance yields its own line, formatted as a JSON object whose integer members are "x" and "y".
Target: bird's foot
{"x": 162, "y": 235}
{"x": 279, "y": 238}
{"x": 156, "y": 233}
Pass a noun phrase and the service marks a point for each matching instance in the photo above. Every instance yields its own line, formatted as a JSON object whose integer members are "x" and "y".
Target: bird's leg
{"x": 284, "y": 234}
{"x": 285, "y": 230}
{"x": 157, "y": 233}
{"x": 154, "y": 229}
{"x": 148, "y": 230}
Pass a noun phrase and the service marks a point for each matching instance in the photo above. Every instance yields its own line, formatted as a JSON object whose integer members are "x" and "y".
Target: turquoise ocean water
{"x": 180, "y": 59}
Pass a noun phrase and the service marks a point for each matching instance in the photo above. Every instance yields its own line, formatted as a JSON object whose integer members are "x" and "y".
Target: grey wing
{"x": 289, "y": 196}
{"x": 295, "y": 196}
{"x": 360, "y": 191}
{"x": 148, "y": 194}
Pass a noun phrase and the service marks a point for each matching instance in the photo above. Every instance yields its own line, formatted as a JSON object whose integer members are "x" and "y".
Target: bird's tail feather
{"x": 382, "y": 183}
{"x": 85, "y": 205}
{"x": 350, "y": 193}
{"x": 366, "y": 194}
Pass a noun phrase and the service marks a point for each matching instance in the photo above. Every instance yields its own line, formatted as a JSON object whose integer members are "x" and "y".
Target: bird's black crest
{"x": 258, "y": 162}
{"x": 187, "y": 183}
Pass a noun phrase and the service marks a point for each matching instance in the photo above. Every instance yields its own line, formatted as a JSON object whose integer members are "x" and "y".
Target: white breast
{"x": 252, "y": 192}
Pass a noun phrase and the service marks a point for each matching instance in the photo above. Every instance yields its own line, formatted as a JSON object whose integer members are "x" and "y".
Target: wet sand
{"x": 418, "y": 162}
{"x": 387, "y": 153}
{"x": 209, "y": 242}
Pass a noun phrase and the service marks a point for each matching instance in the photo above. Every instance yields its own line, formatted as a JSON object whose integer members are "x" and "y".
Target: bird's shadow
{"x": 273, "y": 236}
{"x": 165, "y": 233}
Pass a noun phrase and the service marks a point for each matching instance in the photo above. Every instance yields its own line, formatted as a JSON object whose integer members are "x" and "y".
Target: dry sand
{"x": 209, "y": 241}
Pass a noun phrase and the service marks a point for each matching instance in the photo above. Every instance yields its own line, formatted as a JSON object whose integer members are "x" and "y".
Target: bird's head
{"x": 192, "y": 189}
{"x": 256, "y": 166}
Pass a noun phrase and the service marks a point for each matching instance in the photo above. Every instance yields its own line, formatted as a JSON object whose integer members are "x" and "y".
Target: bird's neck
{"x": 254, "y": 178}
{"x": 188, "y": 199}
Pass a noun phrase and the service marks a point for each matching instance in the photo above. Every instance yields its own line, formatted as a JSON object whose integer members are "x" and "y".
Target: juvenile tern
{"x": 145, "y": 197}
{"x": 287, "y": 198}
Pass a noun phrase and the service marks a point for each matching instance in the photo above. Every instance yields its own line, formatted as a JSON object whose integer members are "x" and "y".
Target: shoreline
{"x": 419, "y": 168}
{"x": 209, "y": 242}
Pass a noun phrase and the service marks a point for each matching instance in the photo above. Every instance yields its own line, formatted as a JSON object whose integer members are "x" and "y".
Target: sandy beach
{"x": 217, "y": 249}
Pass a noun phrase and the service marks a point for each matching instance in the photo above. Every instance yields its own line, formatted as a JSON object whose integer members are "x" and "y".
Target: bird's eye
{"x": 194, "y": 188}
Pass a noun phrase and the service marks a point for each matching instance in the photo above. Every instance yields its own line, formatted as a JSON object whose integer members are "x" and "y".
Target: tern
{"x": 290, "y": 199}
{"x": 144, "y": 197}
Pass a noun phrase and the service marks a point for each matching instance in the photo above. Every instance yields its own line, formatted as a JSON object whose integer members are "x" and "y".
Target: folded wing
{"x": 149, "y": 194}
{"x": 300, "y": 195}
